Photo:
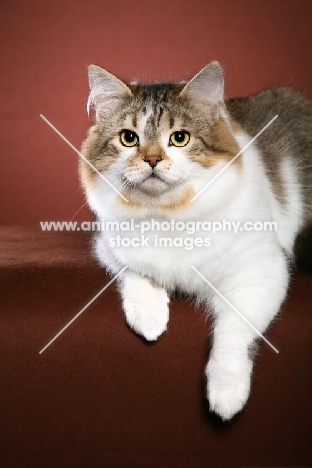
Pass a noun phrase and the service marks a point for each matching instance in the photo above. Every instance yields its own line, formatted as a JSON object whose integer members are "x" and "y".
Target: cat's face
{"x": 156, "y": 142}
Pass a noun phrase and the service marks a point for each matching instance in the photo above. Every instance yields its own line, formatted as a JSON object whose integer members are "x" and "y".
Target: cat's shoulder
{"x": 279, "y": 99}
{"x": 255, "y": 110}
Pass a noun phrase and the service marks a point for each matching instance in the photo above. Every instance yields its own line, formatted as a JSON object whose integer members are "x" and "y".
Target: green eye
{"x": 180, "y": 138}
{"x": 129, "y": 138}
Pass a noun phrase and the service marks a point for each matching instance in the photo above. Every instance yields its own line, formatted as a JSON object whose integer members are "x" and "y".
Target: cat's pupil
{"x": 129, "y": 136}
{"x": 179, "y": 136}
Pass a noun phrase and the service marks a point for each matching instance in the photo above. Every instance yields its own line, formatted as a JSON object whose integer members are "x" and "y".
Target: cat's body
{"x": 185, "y": 135}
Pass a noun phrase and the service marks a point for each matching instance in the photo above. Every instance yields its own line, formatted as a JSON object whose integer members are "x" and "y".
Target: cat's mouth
{"x": 153, "y": 176}
{"x": 153, "y": 184}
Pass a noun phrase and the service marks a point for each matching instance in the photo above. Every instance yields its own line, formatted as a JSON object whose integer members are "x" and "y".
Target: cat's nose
{"x": 152, "y": 160}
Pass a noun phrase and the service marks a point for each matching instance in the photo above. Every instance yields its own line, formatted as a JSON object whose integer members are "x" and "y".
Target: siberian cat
{"x": 160, "y": 145}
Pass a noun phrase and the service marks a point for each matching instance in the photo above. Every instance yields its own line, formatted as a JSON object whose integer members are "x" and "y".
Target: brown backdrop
{"x": 46, "y": 47}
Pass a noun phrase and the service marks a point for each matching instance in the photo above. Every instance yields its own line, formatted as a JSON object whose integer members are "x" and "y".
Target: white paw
{"x": 228, "y": 385}
{"x": 147, "y": 310}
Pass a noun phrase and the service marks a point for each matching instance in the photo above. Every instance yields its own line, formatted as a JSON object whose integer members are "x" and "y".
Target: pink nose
{"x": 152, "y": 160}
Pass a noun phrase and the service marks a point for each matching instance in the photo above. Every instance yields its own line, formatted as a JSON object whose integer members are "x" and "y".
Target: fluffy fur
{"x": 270, "y": 181}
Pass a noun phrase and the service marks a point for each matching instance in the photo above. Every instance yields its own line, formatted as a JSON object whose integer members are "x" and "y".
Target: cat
{"x": 160, "y": 145}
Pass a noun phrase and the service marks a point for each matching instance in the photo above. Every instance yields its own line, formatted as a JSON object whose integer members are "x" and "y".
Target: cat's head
{"x": 156, "y": 143}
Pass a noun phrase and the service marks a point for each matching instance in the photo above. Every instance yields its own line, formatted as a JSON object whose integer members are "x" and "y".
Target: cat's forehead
{"x": 155, "y": 108}
{"x": 156, "y": 92}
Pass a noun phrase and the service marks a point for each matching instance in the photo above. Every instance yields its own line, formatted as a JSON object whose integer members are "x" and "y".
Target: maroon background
{"x": 46, "y": 47}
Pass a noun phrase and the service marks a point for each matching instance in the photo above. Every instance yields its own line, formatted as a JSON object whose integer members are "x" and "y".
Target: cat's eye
{"x": 180, "y": 138}
{"x": 129, "y": 138}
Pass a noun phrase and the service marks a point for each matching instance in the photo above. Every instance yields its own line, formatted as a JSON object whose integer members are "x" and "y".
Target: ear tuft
{"x": 207, "y": 86}
{"x": 105, "y": 88}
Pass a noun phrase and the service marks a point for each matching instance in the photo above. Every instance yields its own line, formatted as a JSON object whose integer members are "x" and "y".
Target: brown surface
{"x": 101, "y": 397}
{"x": 46, "y": 46}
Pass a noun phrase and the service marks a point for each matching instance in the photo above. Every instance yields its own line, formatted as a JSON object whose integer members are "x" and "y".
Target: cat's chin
{"x": 154, "y": 185}
{"x": 157, "y": 192}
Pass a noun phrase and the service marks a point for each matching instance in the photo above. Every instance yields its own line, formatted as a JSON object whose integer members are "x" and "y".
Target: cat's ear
{"x": 207, "y": 86}
{"x": 105, "y": 88}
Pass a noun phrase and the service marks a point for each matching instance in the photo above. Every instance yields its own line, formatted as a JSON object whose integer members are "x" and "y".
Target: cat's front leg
{"x": 228, "y": 380}
{"x": 258, "y": 297}
{"x": 145, "y": 305}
